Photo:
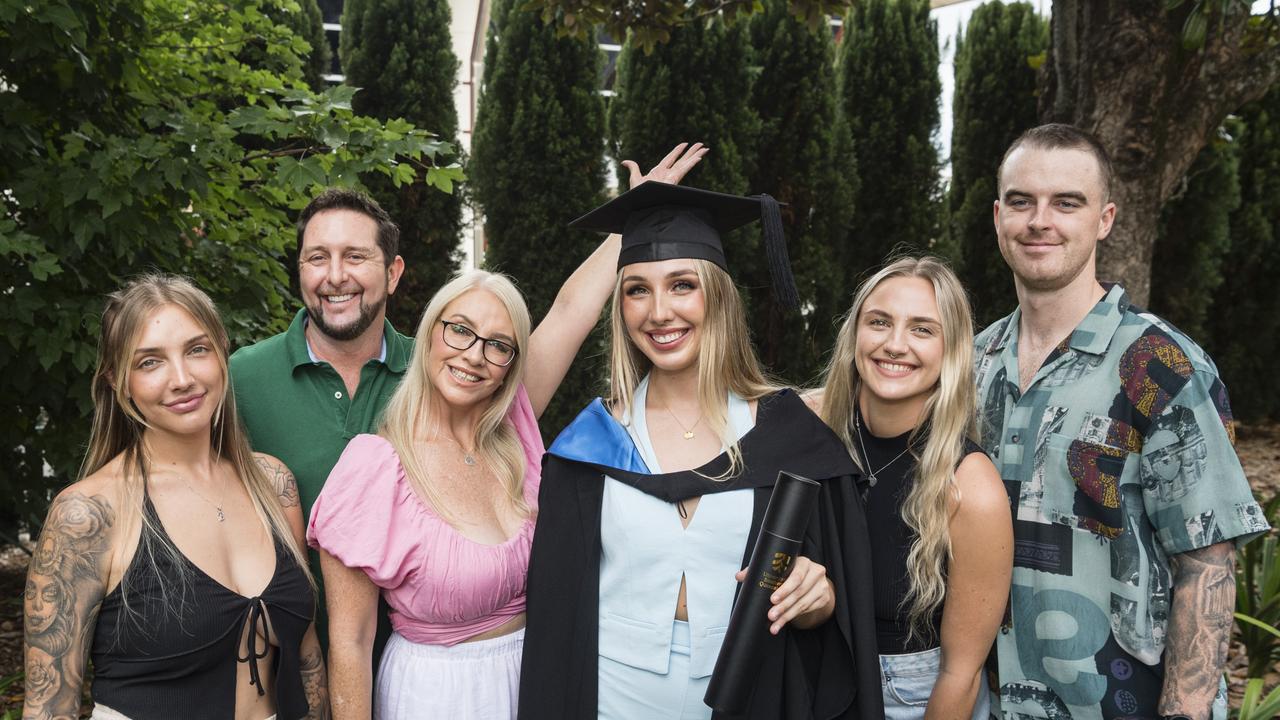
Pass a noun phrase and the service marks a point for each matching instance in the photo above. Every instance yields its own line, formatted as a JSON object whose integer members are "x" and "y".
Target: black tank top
{"x": 150, "y": 662}
{"x": 891, "y": 539}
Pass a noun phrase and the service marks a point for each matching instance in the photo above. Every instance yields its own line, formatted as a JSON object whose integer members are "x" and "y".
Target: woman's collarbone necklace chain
{"x": 467, "y": 457}
{"x": 687, "y": 430}
{"x": 866, "y": 459}
{"x": 222, "y": 516}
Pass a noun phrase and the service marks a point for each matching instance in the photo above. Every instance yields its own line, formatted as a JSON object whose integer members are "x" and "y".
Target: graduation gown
{"x": 831, "y": 671}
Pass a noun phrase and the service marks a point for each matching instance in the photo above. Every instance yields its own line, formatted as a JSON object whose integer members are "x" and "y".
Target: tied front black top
{"x": 152, "y": 661}
{"x": 891, "y": 540}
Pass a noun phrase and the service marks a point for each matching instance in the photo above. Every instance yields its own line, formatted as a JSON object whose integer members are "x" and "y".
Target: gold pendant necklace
{"x": 688, "y": 431}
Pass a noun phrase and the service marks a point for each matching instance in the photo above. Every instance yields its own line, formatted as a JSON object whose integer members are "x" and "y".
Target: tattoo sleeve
{"x": 1204, "y": 595}
{"x": 315, "y": 684}
{"x": 282, "y": 480}
{"x": 64, "y": 591}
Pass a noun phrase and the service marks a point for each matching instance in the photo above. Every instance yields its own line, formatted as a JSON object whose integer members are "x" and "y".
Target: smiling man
{"x": 1113, "y": 436}
{"x": 304, "y": 393}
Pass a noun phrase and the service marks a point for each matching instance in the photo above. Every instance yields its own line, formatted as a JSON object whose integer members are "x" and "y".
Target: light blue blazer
{"x": 645, "y": 550}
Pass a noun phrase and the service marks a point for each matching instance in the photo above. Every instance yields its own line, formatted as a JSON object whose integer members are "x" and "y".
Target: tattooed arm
{"x": 65, "y": 587}
{"x": 1204, "y": 595}
{"x": 315, "y": 684}
{"x": 286, "y": 488}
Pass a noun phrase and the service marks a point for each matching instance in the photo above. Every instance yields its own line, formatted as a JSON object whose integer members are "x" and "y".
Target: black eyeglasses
{"x": 461, "y": 337}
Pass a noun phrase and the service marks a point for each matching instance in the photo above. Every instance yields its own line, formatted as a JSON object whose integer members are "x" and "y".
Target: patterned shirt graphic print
{"x": 1117, "y": 456}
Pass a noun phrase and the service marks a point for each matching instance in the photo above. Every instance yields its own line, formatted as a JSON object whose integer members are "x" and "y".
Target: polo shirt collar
{"x": 395, "y": 357}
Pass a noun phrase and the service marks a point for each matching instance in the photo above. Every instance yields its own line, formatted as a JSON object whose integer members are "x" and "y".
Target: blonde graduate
{"x": 690, "y": 377}
{"x": 903, "y": 362}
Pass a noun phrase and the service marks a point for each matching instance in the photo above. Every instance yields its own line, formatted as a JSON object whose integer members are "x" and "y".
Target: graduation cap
{"x": 659, "y": 221}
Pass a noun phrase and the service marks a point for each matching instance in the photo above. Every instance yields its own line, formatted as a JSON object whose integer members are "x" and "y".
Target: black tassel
{"x": 775, "y": 246}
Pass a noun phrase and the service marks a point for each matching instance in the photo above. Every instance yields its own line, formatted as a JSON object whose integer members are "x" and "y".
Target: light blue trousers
{"x": 628, "y": 693}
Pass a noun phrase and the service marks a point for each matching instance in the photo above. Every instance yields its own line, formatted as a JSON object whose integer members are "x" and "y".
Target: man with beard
{"x": 307, "y": 391}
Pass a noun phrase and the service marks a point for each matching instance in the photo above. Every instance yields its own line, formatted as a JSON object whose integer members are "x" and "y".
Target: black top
{"x": 892, "y": 541}
{"x": 829, "y": 672}
{"x": 152, "y": 662}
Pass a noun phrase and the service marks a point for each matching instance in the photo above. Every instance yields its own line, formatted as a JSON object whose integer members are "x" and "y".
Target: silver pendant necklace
{"x": 467, "y": 457}
{"x": 866, "y": 459}
{"x": 222, "y": 517}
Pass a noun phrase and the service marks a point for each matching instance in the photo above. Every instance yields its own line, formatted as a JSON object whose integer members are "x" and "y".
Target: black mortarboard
{"x": 659, "y": 221}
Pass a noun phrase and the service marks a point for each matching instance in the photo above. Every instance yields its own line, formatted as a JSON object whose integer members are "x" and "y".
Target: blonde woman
{"x": 899, "y": 392}
{"x": 436, "y": 511}
{"x": 175, "y": 561}
{"x": 651, "y": 503}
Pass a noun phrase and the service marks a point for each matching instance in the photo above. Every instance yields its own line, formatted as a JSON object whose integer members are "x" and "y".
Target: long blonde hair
{"x": 948, "y": 421}
{"x": 408, "y": 413}
{"x": 726, "y": 360}
{"x": 118, "y": 427}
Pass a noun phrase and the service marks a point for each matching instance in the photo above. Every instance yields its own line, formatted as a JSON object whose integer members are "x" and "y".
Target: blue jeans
{"x": 906, "y": 681}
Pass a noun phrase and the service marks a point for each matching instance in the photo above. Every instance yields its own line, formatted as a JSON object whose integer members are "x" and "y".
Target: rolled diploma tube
{"x": 748, "y": 637}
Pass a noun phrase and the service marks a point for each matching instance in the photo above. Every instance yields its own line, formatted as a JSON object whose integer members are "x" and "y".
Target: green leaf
{"x": 1194, "y": 31}
{"x": 1257, "y": 623}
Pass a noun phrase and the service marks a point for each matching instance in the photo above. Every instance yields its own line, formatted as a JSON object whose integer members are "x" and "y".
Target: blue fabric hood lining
{"x": 596, "y": 438}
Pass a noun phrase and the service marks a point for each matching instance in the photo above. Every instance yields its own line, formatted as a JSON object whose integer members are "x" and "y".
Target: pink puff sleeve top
{"x": 442, "y": 587}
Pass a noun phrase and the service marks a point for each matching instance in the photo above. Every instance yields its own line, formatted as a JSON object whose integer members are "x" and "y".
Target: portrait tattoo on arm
{"x": 1204, "y": 596}
{"x": 282, "y": 480}
{"x": 314, "y": 684}
{"x": 65, "y": 587}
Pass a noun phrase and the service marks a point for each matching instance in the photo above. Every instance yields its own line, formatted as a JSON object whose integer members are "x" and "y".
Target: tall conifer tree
{"x": 890, "y": 85}
{"x": 537, "y": 163}
{"x": 696, "y": 87}
{"x": 308, "y": 23}
{"x": 804, "y": 157}
{"x": 1244, "y": 320}
{"x": 401, "y": 54}
{"x": 302, "y": 18}
{"x": 994, "y": 102}
{"x": 1195, "y": 236}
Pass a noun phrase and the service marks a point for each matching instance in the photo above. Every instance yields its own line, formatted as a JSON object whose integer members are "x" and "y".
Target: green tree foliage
{"x": 994, "y": 102}
{"x": 889, "y": 80}
{"x": 652, "y": 22}
{"x": 804, "y": 157}
{"x": 1195, "y": 235}
{"x": 276, "y": 53}
{"x": 537, "y": 163}
{"x": 1244, "y": 319}
{"x": 696, "y": 87}
{"x": 308, "y": 22}
{"x": 132, "y": 138}
{"x": 401, "y": 54}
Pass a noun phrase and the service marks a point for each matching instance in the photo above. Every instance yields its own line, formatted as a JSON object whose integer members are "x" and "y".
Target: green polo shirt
{"x": 299, "y": 410}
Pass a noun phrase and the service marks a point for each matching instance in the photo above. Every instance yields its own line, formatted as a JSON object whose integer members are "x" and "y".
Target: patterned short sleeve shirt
{"x": 1119, "y": 455}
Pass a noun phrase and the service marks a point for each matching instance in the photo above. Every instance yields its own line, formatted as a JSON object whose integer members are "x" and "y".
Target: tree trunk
{"x": 1117, "y": 68}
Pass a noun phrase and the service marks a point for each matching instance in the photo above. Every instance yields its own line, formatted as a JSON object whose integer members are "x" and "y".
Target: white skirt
{"x": 470, "y": 681}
